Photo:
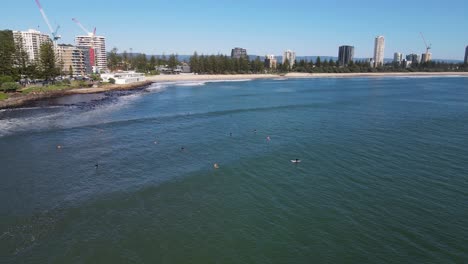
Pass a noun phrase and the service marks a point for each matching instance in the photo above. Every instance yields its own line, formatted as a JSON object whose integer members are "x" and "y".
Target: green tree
{"x": 125, "y": 60}
{"x": 173, "y": 61}
{"x": 10, "y": 87}
{"x": 318, "y": 62}
{"x": 194, "y": 63}
{"x": 21, "y": 57}
{"x": 152, "y": 63}
{"x": 47, "y": 61}
{"x": 5, "y": 79}
{"x": 113, "y": 60}
{"x": 140, "y": 63}
{"x": 7, "y": 51}
{"x": 286, "y": 67}
{"x": 164, "y": 59}
{"x": 70, "y": 71}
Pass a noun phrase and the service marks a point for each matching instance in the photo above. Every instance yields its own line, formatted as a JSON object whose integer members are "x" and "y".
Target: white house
{"x": 124, "y": 77}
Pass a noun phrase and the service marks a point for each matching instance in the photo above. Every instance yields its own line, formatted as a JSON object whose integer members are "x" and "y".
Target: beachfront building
{"x": 270, "y": 62}
{"x": 466, "y": 55}
{"x": 397, "y": 57}
{"x": 379, "y": 54}
{"x": 426, "y": 57}
{"x": 290, "y": 56}
{"x": 71, "y": 58}
{"x": 100, "y": 55}
{"x": 31, "y": 41}
{"x": 237, "y": 53}
{"x": 124, "y": 77}
{"x": 88, "y": 68}
{"x": 345, "y": 55}
{"x": 414, "y": 58}
{"x": 406, "y": 63}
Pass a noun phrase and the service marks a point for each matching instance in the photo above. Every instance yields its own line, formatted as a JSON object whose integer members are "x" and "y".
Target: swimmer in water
{"x": 230, "y": 134}
{"x": 59, "y": 147}
{"x": 96, "y": 165}
{"x": 216, "y": 166}
{"x": 255, "y": 131}
{"x": 268, "y": 138}
{"x": 182, "y": 148}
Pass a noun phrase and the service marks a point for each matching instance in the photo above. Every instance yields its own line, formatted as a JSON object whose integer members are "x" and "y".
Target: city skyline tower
{"x": 345, "y": 55}
{"x": 99, "y": 45}
{"x": 290, "y": 56}
{"x": 237, "y": 53}
{"x": 397, "y": 57}
{"x": 379, "y": 51}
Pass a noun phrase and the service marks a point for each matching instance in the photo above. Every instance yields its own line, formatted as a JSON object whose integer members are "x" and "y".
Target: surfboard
{"x": 295, "y": 161}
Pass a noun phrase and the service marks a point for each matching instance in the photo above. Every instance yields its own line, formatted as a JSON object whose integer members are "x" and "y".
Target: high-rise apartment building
{"x": 426, "y": 57}
{"x": 414, "y": 58}
{"x": 70, "y": 57}
{"x": 397, "y": 57}
{"x": 290, "y": 56}
{"x": 31, "y": 41}
{"x": 345, "y": 55}
{"x": 379, "y": 54}
{"x": 466, "y": 55}
{"x": 99, "y": 45}
{"x": 237, "y": 53}
{"x": 270, "y": 62}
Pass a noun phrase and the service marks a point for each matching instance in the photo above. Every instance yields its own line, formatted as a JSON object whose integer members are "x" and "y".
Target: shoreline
{"x": 293, "y": 75}
{"x": 24, "y": 100}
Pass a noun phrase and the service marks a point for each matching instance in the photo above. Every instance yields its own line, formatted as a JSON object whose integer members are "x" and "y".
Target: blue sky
{"x": 308, "y": 27}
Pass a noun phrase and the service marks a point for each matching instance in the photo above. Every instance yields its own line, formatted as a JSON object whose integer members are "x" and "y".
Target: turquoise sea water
{"x": 383, "y": 177}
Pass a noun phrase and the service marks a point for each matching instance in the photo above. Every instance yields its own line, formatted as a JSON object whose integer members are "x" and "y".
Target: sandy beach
{"x": 205, "y": 77}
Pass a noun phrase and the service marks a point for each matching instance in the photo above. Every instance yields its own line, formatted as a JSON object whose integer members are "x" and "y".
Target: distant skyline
{"x": 261, "y": 27}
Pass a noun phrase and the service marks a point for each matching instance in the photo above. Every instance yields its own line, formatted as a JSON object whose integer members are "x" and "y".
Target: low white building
{"x": 124, "y": 77}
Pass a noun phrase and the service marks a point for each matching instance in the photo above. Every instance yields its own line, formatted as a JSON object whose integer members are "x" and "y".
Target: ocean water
{"x": 383, "y": 177}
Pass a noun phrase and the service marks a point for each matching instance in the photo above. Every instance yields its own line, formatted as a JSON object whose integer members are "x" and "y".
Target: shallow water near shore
{"x": 383, "y": 177}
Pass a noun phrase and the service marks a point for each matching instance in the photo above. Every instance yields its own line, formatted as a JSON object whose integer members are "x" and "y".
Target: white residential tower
{"x": 379, "y": 51}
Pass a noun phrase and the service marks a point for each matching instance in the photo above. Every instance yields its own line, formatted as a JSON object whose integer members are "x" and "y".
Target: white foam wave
{"x": 158, "y": 87}
{"x": 190, "y": 84}
{"x": 12, "y": 125}
{"x": 64, "y": 118}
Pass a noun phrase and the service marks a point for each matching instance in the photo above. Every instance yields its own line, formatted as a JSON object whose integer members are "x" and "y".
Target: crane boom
{"x": 424, "y": 39}
{"x": 44, "y": 16}
{"x": 81, "y": 26}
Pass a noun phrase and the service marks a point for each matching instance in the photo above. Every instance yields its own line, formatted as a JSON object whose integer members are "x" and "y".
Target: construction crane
{"x": 54, "y": 34}
{"x": 428, "y": 47}
{"x": 92, "y": 35}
